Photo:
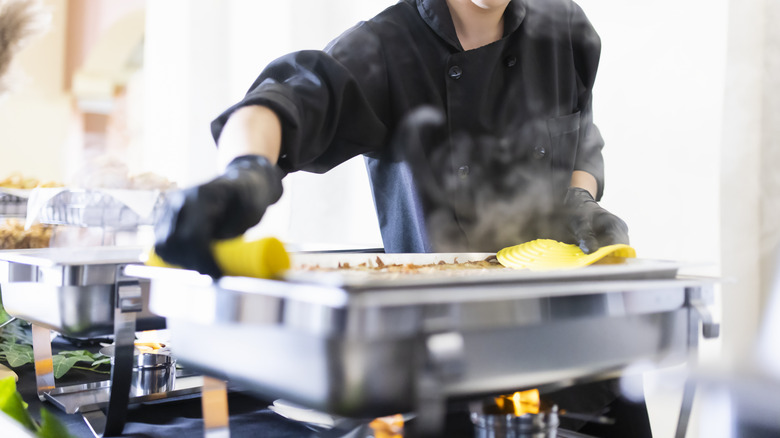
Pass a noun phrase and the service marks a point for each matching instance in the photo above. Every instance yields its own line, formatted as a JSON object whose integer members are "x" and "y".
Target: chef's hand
{"x": 591, "y": 225}
{"x": 222, "y": 208}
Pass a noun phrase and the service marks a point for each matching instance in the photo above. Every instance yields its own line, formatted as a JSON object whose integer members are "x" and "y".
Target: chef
{"x": 475, "y": 121}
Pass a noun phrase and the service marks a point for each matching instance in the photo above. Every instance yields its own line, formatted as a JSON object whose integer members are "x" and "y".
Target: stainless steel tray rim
{"x": 51, "y": 257}
{"x": 514, "y": 292}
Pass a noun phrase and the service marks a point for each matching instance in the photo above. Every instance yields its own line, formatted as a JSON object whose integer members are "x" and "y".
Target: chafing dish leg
{"x": 698, "y": 298}
{"x": 441, "y": 361}
{"x": 128, "y": 302}
{"x": 44, "y": 366}
{"x": 215, "y": 408}
{"x": 430, "y": 411}
{"x": 685, "y": 410}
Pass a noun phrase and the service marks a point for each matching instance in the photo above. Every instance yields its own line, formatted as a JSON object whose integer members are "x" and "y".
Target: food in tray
{"x": 150, "y": 181}
{"x": 148, "y": 347}
{"x": 14, "y": 236}
{"x": 378, "y": 265}
{"x": 18, "y": 181}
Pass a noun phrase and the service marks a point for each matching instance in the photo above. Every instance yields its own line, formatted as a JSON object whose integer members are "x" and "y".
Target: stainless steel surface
{"x": 371, "y": 346}
{"x": 87, "y": 397}
{"x": 96, "y": 421}
{"x": 152, "y": 372}
{"x": 71, "y": 290}
{"x": 125, "y": 311}
{"x": 214, "y": 403}
{"x": 44, "y": 364}
{"x": 94, "y": 257}
{"x": 13, "y": 202}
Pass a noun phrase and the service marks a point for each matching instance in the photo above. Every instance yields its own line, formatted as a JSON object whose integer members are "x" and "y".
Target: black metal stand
{"x": 697, "y": 298}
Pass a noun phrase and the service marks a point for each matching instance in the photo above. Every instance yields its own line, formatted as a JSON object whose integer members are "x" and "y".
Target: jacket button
{"x": 539, "y": 151}
{"x": 455, "y": 72}
{"x": 510, "y": 61}
{"x": 463, "y": 172}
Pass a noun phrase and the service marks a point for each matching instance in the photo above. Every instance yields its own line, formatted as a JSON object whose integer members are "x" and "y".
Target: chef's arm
{"x": 584, "y": 180}
{"x": 251, "y": 130}
{"x": 229, "y": 204}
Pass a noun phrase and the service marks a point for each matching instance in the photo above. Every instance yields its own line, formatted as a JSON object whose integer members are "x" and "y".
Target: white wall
{"x": 659, "y": 103}
{"x": 202, "y": 56}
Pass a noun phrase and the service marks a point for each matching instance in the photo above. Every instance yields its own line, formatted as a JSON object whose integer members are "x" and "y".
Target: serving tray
{"x": 323, "y": 268}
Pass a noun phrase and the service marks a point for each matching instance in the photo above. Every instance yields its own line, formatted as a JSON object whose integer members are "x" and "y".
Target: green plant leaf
{"x": 16, "y": 331}
{"x": 51, "y": 426}
{"x": 4, "y": 316}
{"x": 17, "y": 354}
{"x": 11, "y": 403}
{"x": 102, "y": 360}
{"x": 62, "y": 364}
{"x": 78, "y": 353}
{"x": 16, "y": 349}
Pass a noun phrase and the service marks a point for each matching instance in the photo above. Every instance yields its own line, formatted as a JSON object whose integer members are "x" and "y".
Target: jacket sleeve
{"x": 330, "y": 102}
{"x": 586, "y": 46}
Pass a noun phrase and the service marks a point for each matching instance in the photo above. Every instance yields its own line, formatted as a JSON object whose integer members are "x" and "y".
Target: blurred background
{"x": 687, "y": 99}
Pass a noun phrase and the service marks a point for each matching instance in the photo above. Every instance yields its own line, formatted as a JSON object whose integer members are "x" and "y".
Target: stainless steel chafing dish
{"x": 71, "y": 290}
{"x": 359, "y": 344}
{"x": 84, "y": 292}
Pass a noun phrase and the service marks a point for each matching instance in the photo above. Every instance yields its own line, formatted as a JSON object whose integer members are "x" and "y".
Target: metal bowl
{"x": 153, "y": 372}
{"x": 541, "y": 425}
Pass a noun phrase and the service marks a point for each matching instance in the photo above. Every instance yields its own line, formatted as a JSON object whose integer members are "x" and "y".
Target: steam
{"x": 481, "y": 193}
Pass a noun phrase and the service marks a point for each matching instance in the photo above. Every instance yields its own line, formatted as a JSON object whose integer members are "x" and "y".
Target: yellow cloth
{"x": 262, "y": 258}
{"x": 544, "y": 254}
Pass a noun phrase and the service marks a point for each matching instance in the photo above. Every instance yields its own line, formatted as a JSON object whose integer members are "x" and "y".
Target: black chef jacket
{"x": 518, "y": 120}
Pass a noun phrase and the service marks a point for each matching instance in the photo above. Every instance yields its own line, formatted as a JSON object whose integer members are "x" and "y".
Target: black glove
{"x": 592, "y": 226}
{"x": 222, "y": 208}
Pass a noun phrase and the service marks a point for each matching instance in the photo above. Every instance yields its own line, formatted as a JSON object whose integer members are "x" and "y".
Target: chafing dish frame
{"x": 348, "y": 319}
{"x": 86, "y": 293}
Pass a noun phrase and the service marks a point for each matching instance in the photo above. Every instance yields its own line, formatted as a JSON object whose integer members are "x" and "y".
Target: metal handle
{"x": 10, "y": 320}
{"x": 698, "y": 299}
{"x": 710, "y": 329}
